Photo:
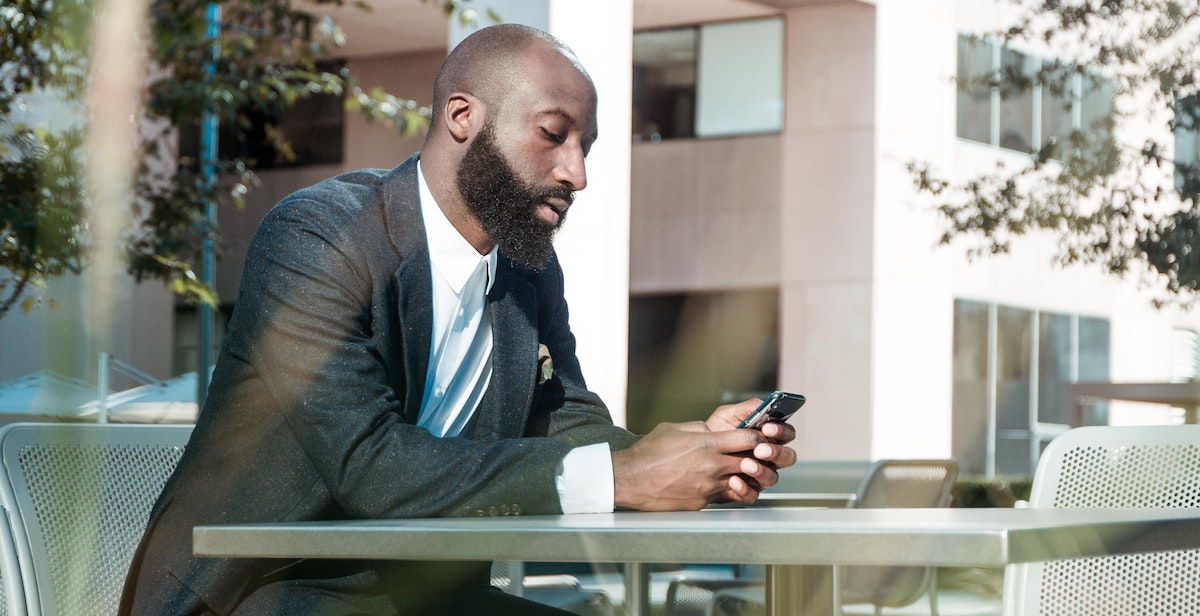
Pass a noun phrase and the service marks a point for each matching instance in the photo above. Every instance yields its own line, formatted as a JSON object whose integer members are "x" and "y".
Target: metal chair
{"x": 561, "y": 590}
{"x": 898, "y": 484}
{"x": 1114, "y": 466}
{"x": 77, "y": 498}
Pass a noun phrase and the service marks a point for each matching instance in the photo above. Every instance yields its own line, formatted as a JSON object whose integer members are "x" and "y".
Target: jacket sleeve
{"x": 306, "y": 329}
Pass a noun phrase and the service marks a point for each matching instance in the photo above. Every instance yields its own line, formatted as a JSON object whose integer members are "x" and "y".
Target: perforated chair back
{"x": 1114, "y": 466}
{"x": 78, "y": 497}
{"x": 898, "y": 484}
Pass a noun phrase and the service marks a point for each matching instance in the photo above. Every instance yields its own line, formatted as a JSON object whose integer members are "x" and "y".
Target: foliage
{"x": 269, "y": 56}
{"x": 40, "y": 187}
{"x": 1128, "y": 207}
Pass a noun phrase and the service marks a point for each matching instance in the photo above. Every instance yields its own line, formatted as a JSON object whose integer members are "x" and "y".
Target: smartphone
{"x": 777, "y": 407}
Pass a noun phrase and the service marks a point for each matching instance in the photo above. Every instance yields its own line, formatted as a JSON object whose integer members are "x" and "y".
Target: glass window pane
{"x": 1096, "y": 113}
{"x": 974, "y": 97}
{"x": 1185, "y": 355}
{"x": 970, "y": 393}
{"x": 740, "y": 83}
{"x": 1095, "y": 342}
{"x": 1014, "y": 345}
{"x": 1057, "y": 100}
{"x": 1055, "y": 348}
{"x": 664, "y": 84}
{"x": 690, "y": 352}
{"x": 313, "y": 127}
{"x": 1016, "y": 101}
{"x": 1187, "y": 146}
{"x": 1013, "y": 456}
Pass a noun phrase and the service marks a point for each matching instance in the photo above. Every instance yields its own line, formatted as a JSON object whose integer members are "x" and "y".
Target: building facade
{"x": 761, "y": 230}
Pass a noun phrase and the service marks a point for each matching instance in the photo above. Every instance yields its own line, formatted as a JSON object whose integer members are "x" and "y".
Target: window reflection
{"x": 664, "y": 84}
{"x": 1017, "y": 101}
{"x": 711, "y": 80}
{"x": 1187, "y": 146}
{"x": 1013, "y": 368}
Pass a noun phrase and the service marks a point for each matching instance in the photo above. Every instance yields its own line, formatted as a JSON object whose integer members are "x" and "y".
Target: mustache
{"x": 541, "y": 193}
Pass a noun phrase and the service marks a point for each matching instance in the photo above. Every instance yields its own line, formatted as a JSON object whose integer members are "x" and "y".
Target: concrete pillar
{"x": 594, "y": 243}
{"x": 913, "y": 298}
{"x": 828, "y": 227}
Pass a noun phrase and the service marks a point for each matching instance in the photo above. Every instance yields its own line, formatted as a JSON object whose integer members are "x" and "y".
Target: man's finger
{"x": 736, "y": 441}
{"x": 778, "y": 455}
{"x": 779, "y": 432}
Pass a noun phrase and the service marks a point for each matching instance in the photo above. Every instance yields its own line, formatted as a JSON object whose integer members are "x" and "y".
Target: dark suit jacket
{"x": 312, "y": 409}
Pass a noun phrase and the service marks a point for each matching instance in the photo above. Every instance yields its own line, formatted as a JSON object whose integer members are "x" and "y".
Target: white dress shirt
{"x": 460, "y": 357}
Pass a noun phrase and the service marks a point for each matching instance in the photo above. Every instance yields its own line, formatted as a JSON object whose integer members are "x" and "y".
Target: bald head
{"x": 514, "y": 117}
{"x": 487, "y": 63}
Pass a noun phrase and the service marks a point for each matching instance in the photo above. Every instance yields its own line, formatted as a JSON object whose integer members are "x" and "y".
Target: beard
{"x": 506, "y": 205}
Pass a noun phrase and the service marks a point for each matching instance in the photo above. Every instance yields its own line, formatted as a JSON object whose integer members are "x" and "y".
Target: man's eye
{"x": 553, "y": 136}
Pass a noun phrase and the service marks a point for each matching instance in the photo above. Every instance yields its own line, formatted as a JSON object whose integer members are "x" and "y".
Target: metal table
{"x": 799, "y": 546}
{"x": 1183, "y": 395}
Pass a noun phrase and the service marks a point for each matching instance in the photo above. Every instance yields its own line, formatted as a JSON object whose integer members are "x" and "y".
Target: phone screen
{"x": 776, "y": 407}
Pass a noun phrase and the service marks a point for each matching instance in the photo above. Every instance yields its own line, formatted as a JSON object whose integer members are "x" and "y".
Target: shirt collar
{"x": 451, "y": 254}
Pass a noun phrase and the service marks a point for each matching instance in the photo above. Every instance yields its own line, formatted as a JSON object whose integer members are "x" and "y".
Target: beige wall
{"x": 55, "y": 334}
{"x": 705, "y": 214}
{"x": 794, "y": 210}
{"x": 370, "y": 144}
{"x": 828, "y": 211}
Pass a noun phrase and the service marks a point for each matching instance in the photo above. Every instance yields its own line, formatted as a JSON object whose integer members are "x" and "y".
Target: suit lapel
{"x": 512, "y": 306}
{"x": 414, "y": 282}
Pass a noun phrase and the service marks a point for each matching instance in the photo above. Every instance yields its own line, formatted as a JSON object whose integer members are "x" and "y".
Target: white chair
{"x": 12, "y": 596}
{"x": 1109, "y": 466}
{"x": 77, "y": 499}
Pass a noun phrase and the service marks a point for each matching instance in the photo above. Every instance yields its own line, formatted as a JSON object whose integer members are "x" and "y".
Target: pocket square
{"x": 545, "y": 364}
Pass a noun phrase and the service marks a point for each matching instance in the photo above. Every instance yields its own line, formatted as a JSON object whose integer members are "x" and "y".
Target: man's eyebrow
{"x": 556, "y": 111}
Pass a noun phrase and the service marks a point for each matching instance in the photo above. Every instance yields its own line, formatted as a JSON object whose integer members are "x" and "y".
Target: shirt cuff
{"x": 584, "y": 480}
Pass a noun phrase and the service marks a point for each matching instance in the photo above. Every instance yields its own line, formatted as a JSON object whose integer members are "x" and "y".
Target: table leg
{"x": 796, "y": 589}
{"x": 637, "y": 589}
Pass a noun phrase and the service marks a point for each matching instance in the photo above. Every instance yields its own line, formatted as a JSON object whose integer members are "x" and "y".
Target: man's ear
{"x": 463, "y": 112}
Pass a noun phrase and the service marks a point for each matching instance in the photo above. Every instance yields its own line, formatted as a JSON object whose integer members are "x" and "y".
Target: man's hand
{"x": 687, "y": 466}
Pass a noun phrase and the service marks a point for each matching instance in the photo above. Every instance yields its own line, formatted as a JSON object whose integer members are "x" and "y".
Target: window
{"x": 690, "y": 352}
{"x": 1187, "y": 146}
{"x": 664, "y": 84}
{"x": 1185, "y": 355}
{"x": 185, "y": 354}
{"x": 1013, "y": 368}
{"x": 1016, "y": 106}
{"x": 974, "y": 98}
{"x": 312, "y": 127}
{"x": 708, "y": 81}
{"x": 1020, "y": 102}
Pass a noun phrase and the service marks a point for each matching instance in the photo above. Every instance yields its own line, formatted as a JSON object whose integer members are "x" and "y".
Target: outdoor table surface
{"x": 798, "y": 545}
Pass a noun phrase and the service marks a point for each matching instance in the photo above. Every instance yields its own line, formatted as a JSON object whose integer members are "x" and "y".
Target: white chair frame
{"x": 77, "y": 498}
{"x": 1106, "y": 467}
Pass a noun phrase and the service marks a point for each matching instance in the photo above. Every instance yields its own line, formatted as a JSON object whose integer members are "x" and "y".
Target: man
{"x": 363, "y": 376}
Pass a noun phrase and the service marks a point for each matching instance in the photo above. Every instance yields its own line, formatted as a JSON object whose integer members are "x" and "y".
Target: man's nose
{"x": 571, "y": 170}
